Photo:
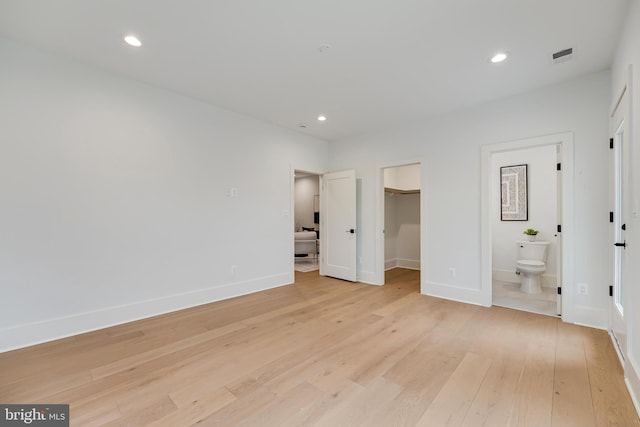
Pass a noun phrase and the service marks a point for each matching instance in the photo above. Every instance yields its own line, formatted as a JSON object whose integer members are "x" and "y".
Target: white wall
{"x": 449, "y": 146}
{"x": 305, "y": 188}
{"x": 408, "y": 206}
{"x": 114, "y": 199}
{"x": 402, "y": 230}
{"x": 390, "y": 231}
{"x": 628, "y": 54}
{"x": 403, "y": 177}
{"x": 543, "y": 213}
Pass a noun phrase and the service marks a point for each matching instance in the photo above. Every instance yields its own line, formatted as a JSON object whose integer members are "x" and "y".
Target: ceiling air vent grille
{"x": 562, "y": 55}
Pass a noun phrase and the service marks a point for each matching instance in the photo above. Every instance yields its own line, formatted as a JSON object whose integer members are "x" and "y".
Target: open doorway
{"x": 526, "y": 198}
{"x": 402, "y": 236}
{"x": 565, "y": 274}
{"x": 306, "y": 196}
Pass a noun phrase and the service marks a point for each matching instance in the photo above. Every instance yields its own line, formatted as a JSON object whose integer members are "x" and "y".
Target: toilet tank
{"x": 536, "y": 251}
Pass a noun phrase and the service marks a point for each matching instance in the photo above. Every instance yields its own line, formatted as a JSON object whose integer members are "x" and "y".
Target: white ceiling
{"x": 391, "y": 61}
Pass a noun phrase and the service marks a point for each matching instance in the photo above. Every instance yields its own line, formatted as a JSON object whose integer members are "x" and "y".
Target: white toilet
{"x": 531, "y": 265}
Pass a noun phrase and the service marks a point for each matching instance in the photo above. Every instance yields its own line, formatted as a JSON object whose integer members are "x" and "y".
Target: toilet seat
{"x": 529, "y": 263}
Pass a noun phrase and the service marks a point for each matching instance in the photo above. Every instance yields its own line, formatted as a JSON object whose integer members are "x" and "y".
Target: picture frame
{"x": 514, "y": 203}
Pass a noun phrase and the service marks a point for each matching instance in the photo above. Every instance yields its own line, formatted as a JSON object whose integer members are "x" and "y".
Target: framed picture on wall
{"x": 514, "y": 205}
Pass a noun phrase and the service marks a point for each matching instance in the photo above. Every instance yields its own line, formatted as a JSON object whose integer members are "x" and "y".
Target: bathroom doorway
{"x": 537, "y": 203}
{"x": 401, "y": 230}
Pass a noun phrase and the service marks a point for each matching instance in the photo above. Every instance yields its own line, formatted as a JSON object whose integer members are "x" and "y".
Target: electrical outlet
{"x": 583, "y": 289}
{"x": 452, "y": 272}
{"x": 234, "y": 269}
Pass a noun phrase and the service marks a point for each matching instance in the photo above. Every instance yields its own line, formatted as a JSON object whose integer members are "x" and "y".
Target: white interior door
{"x": 620, "y": 187}
{"x": 338, "y": 225}
{"x": 559, "y": 232}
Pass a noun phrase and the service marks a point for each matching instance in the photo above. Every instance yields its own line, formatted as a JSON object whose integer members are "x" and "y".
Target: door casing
{"x": 565, "y": 141}
{"x": 620, "y": 197}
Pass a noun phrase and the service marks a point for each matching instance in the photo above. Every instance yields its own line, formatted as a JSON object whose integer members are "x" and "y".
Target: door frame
{"x": 565, "y": 141}
{"x": 379, "y": 230}
{"x": 623, "y": 214}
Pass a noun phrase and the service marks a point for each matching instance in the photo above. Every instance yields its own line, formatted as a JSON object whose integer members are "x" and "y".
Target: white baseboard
{"x": 454, "y": 293}
{"x": 586, "y": 316}
{"x": 410, "y": 264}
{"x": 547, "y": 280}
{"x": 631, "y": 374}
{"x": 35, "y": 333}
{"x": 632, "y": 380}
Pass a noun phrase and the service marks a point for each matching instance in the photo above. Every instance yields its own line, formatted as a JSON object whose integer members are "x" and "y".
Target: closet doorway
{"x": 402, "y": 221}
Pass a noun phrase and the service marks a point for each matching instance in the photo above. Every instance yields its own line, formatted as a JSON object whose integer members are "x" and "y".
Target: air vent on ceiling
{"x": 562, "y": 55}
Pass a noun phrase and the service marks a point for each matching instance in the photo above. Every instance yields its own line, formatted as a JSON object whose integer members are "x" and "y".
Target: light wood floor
{"x": 332, "y": 353}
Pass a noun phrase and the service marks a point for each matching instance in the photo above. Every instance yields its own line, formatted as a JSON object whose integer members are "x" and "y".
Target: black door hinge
{"x": 610, "y": 291}
{"x": 559, "y": 166}
{"x": 610, "y": 216}
{"x": 559, "y": 228}
{"x": 559, "y": 290}
{"x": 611, "y": 143}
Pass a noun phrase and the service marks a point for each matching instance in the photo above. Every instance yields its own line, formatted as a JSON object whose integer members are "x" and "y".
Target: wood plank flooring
{"x": 323, "y": 352}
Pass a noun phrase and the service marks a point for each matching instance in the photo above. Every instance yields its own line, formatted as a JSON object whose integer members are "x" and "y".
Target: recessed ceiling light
{"x": 322, "y": 118}
{"x": 132, "y": 41}
{"x": 499, "y": 57}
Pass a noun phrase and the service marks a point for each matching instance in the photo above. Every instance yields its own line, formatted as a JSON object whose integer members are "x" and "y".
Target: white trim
{"x": 409, "y": 264}
{"x": 52, "y": 329}
{"x": 565, "y": 140}
{"x": 597, "y": 318}
{"x": 454, "y": 293}
{"x": 390, "y": 264}
{"x": 630, "y": 365}
{"x": 632, "y": 380}
{"x": 614, "y": 110}
{"x": 616, "y": 347}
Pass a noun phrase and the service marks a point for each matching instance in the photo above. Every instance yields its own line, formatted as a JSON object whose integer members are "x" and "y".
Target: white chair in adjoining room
{"x": 305, "y": 243}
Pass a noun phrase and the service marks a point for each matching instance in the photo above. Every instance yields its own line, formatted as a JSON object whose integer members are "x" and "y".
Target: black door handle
{"x": 624, "y": 244}
{"x": 351, "y": 230}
